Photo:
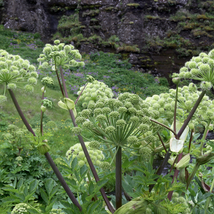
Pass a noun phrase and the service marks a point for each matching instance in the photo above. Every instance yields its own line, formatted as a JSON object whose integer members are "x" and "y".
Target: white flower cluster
{"x": 93, "y": 92}
{"x": 59, "y": 54}
{"x": 199, "y": 68}
{"x": 14, "y": 70}
{"x": 23, "y": 208}
{"x": 96, "y": 155}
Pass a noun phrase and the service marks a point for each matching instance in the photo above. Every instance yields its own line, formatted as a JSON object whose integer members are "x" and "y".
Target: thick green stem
{"x": 209, "y": 198}
{"x": 47, "y": 155}
{"x": 118, "y": 188}
{"x": 111, "y": 209}
{"x": 203, "y": 138}
{"x": 196, "y": 167}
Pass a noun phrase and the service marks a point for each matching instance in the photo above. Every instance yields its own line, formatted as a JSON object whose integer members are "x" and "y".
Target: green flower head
{"x": 14, "y": 70}
{"x": 200, "y": 68}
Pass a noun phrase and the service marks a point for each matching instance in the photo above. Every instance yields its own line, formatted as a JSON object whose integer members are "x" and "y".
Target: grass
{"x": 27, "y": 45}
{"x": 106, "y": 67}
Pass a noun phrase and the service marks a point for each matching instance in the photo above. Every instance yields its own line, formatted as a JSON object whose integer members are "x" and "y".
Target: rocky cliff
{"x": 157, "y": 35}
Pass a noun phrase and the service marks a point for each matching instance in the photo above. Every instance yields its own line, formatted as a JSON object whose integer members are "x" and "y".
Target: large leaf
{"x": 49, "y": 184}
{"x": 44, "y": 196}
{"x": 33, "y": 185}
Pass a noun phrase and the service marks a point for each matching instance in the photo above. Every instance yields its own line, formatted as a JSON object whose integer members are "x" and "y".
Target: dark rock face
{"x": 27, "y": 15}
{"x": 157, "y": 35}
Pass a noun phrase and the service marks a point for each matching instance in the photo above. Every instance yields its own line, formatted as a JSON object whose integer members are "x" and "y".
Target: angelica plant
{"x": 17, "y": 72}
{"x": 59, "y": 57}
{"x": 198, "y": 68}
{"x": 120, "y": 123}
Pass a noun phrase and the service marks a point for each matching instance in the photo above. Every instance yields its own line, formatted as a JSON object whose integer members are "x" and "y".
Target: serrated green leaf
{"x": 127, "y": 187}
{"x": 49, "y": 207}
{"x": 83, "y": 170}
{"x": 33, "y": 211}
{"x": 67, "y": 169}
{"x": 54, "y": 191}
{"x": 21, "y": 197}
{"x": 28, "y": 197}
{"x": 33, "y": 185}
{"x": 100, "y": 184}
{"x": 91, "y": 209}
{"x": 10, "y": 189}
{"x": 25, "y": 191}
{"x": 49, "y": 184}
{"x": 20, "y": 183}
{"x": 74, "y": 163}
{"x": 10, "y": 200}
{"x": 91, "y": 188}
{"x": 77, "y": 176}
{"x": 44, "y": 196}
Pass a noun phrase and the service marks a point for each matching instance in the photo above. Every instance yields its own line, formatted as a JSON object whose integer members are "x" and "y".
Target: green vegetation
{"x": 27, "y": 45}
{"x": 125, "y": 132}
{"x": 70, "y": 30}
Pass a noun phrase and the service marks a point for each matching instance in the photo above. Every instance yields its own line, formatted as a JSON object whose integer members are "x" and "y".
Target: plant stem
{"x": 196, "y": 167}
{"x": 89, "y": 179}
{"x": 160, "y": 169}
{"x": 41, "y": 123}
{"x": 161, "y": 124}
{"x": 60, "y": 85}
{"x": 203, "y": 138}
{"x": 191, "y": 114}
{"x": 190, "y": 140}
{"x": 209, "y": 198}
{"x": 177, "y": 136}
{"x": 20, "y": 112}
{"x": 42, "y": 113}
{"x": 111, "y": 209}
{"x": 62, "y": 181}
{"x": 175, "y": 109}
{"x": 47, "y": 155}
{"x": 118, "y": 188}
{"x": 80, "y": 93}
{"x": 162, "y": 142}
{"x": 175, "y": 176}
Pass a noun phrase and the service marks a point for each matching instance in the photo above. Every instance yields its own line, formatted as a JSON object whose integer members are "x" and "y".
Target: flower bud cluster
{"x": 47, "y": 81}
{"x": 15, "y": 70}
{"x": 176, "y": 199}
{"x": 93, "y": 92}
{"x": 24, "y": 208}
{"x": 187, "y": 96}
{"x": 96, "y": 155}
{"x": 123, "y": 120}
{"x": 62, "y": 55}
{"x": 199, "y": 68}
